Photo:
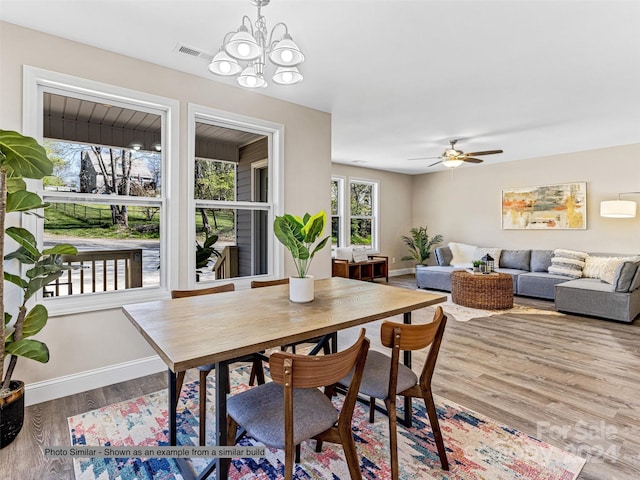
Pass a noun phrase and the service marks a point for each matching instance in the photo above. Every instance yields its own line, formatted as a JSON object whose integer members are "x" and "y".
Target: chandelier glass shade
{"x": 245, "y": 52}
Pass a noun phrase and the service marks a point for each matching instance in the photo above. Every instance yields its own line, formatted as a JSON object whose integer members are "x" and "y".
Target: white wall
{"x": 98, "y": 340}
{"x": 464, "y": 204}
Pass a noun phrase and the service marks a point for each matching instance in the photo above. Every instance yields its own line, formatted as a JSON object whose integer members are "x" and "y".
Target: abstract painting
{"x": 550, "y": 207}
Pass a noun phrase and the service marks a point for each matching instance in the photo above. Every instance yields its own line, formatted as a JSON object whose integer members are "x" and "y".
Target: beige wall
{"x": 395, "y": 191}
{"x": 464, "y": 204}
{"x": 93, "y": 340}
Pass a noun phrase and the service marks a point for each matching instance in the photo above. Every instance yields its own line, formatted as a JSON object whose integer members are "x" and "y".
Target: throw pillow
{"x": 462, "y": 254}
{"x": 623, "y": 278}
{"x": 492, "y": 252}
{"x": 344, "y": 253}
{"x": 609, "y": 269}
{"x": 443, "y": 256}
{"x": 593, "y": 266}
{"x": 360, "y": 254}
{"x": 568, "y": 263}
{"x": 515, "y": 259}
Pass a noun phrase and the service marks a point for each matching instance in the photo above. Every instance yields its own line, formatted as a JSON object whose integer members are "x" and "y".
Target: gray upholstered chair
{"x": 257, "y": 371}
{"x": 283, "y": 413}
{"x": 385, "y": 377}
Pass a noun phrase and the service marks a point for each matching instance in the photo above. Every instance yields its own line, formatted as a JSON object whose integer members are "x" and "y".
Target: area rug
{"x": 464, "y": 314}
{"x": 477, "y": 447}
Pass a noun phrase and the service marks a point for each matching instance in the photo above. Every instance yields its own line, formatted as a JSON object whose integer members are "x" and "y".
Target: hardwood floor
{"x": 571, "y": 381}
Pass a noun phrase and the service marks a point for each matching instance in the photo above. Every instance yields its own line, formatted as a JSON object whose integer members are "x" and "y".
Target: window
{"x": 106, "y": 195}
{"x": 235, "y": 169}
{"x": 337, "y": 212}
{"x": 362, "y": 213}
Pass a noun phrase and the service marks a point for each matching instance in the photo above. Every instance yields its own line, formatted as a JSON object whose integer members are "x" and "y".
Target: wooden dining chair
{"x": 257, "y": 371}
{"x": 283, "y": 413}
{"x": 385, "y": 377}
{"x": 285, "y": 281}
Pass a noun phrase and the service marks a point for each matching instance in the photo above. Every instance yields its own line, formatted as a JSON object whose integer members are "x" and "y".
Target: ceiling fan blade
{"x": 424, "y": 158}
{"x": 434, "y": 164}
{"x": 471, "y": 160}
{"x": 486, "y": 152}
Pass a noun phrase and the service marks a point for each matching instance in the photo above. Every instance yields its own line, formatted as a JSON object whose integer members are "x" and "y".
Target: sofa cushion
{"x": 539, "y": 284}
{"x": 493, "y": 252}
{"x": 462, "y": 253}
{"x": 567, "y": 262}
{"x": 516, "y": 259}
{"x": 624, "y": 275}
{"x": 541, "y": 260}
{"x": 443, "y": 256}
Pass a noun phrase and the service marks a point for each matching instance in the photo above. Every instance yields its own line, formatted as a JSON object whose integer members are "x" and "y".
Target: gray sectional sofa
{"x": 619, "y": 300}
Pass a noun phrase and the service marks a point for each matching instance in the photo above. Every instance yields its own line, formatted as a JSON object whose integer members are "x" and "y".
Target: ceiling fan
{"x": 453, "y": 157}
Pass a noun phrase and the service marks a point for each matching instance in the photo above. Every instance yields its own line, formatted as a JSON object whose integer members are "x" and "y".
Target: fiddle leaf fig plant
{"x": 23, "y": 157}
{"x": 299, "y": 236}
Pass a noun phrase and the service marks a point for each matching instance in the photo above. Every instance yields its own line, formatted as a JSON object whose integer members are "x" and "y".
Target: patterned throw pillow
{"x": 593, "y": 266}
{"x": 610, "y": 268}
{"x": 492, "y": 252}
{"x": 568, "y": 263}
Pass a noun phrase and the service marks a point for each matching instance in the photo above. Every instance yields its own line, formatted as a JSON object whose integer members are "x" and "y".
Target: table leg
{"x": 407, "y": 400}
{"x": 222, "y": 378}
{"x": 172, "y": 408}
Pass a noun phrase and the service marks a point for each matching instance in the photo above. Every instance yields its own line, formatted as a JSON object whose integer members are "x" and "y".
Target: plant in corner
{"x": 299, "y": 236}
{"x": 420, "y": 244}
{"x": 22, "y": 157}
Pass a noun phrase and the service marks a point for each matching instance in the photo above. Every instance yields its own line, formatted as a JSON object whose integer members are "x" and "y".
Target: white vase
{"x": 301, "y": 289}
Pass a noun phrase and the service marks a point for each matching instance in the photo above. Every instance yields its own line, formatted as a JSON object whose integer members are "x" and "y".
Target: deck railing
{"x": 227, "y": 264}
{"x": 100, "y": 271}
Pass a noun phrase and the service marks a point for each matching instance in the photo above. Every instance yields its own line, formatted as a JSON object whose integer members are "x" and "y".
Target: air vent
{"x": 192, "y": 51}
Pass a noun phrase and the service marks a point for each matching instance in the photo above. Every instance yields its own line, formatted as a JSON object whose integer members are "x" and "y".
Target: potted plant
{"x": 300, "y": 236}
{"x": 22, "y": 157}
{"x": 204, "y": 252}
{"x": 420, "y": 245}
{"x": 476, "y": 265}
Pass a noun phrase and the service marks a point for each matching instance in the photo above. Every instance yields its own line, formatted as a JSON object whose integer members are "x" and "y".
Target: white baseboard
{"x": 402, "y": 271}
{"x": 80, "y": 382}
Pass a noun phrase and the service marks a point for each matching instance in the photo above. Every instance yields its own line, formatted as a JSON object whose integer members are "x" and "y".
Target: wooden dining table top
{"x": 199, "y": 330}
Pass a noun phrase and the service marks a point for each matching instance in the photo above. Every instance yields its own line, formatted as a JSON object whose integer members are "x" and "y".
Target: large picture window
{"x": 106, "y": 195}
{"x": 233, "y": 197}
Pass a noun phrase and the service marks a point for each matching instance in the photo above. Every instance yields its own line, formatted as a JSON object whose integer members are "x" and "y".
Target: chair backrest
{"x": 269, "y": 283}
{"x": 310, "y": 371}
{"x": 227, "y": 287}
{"x": 401, "y": 336}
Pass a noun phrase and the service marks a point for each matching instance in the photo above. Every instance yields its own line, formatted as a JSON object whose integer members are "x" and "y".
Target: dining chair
{"x": 283, "y": 413}
{"x": 285, "y": 281}
{"x": 257, "y": 371}
{"x": 385, "y": 377}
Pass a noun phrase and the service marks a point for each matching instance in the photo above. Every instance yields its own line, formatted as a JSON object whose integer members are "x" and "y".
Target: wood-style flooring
{"x": 571, "y": 381}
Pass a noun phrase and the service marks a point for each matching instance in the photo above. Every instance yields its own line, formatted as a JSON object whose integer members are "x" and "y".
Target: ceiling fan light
{"x": 242, "y": 45}
{"x": 286, "y": 52}
{"x": 287, "y": 76}
{"x": 223, "y": 64}
{"x": 452, "y": 162}
{"x": 250, "y": 79}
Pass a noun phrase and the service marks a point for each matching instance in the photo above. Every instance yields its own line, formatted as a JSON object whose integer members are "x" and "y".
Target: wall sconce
{"x": 619, "y": 208}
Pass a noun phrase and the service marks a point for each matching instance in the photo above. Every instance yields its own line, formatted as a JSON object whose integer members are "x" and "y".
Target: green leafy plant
{"x": 22, "y": 157}
{"x": 420, "y": 244}
{"x": 477, "y": 263}
{"x": 205, "y": 251}
{"x": 299, "y": 236}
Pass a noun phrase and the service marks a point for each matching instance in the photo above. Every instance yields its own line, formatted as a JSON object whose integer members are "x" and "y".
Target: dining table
{"x": 216, "y": 329}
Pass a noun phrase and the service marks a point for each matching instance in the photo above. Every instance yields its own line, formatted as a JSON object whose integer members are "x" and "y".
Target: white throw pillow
{"x": 492, "y": 252}
{"x": 344, "y": 253}
{"x": 608, "y": 272}
{"x": 593, "y": 266}
{"x": 568, "y": 263}
{"x": 461, "y": 254}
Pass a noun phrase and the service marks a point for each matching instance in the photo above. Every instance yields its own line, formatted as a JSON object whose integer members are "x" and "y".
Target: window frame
{"x": 375, "y": 200}
{"x": 36, "y": 82}
{"x": 342, "y": 236}
{"x": 275, "y": 206}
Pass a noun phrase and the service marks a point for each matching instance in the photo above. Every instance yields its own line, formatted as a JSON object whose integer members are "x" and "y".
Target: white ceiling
{"x": 401, "y": 78}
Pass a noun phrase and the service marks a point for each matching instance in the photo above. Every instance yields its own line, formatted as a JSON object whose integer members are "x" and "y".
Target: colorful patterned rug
{"x": 477, "y": 447}
{"x": 464, "y": 314}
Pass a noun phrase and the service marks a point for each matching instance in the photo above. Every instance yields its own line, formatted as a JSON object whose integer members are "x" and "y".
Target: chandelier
{"x": 253, "y": 45}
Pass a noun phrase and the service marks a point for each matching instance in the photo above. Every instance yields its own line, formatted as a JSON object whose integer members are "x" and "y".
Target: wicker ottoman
{"x": 490, "y": 292}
